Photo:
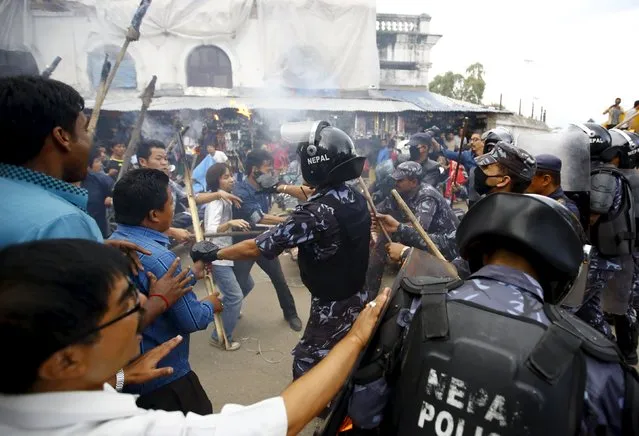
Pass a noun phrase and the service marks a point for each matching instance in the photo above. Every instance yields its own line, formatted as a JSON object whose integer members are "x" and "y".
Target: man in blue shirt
{"x": 99, "y": 187}
{"x": 256, "y": 204}
{"x": 44, "y": 123}
{"x": 144, "y": 210}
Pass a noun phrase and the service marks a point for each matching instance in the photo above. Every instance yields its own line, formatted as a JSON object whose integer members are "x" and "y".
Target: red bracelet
{"x": 166, "y": 302}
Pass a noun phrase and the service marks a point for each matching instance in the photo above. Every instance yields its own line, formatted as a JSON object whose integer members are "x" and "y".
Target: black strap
{"x": 554, "y": 353}
{"x": 625, "y": 236}
{"x": 630, "y": 414}
{"x": 434, "y": 314}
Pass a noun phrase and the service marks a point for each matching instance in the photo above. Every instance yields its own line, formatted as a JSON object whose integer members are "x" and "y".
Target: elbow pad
{"x": 602, "y": 192}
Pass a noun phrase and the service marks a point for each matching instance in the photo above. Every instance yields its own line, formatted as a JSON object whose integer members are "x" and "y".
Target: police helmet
{"x": 538, "y": 228}
{"x": 600, "y": 141}
{"x": 493, "y": 136}
{"x": 327, "y": 154}
{"x": 628, "y": 143}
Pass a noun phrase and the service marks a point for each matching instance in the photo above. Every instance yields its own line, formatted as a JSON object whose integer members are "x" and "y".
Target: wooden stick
{"x": 627, "y": 121}
{"x": 218, "y": 235}
{"x": 429, "y": 242}
{"x": 199, "y": 236}
{"x": 133, "y": 34}
{"x": 147, "y": 96}
{"x": 371, "y": 205}
{"x": 464, "y": 132}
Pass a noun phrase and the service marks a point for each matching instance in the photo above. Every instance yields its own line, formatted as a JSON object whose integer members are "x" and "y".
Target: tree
{"x": 454, "y": 85}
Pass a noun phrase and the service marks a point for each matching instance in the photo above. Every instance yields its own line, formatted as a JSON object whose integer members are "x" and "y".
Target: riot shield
{"x": 418, "y": 263}
{"x": 572, "y": 146}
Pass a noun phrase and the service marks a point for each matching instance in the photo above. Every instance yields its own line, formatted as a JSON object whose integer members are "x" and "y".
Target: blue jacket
{"x": 186, "y": 316}
{"x": 467, "y": 157}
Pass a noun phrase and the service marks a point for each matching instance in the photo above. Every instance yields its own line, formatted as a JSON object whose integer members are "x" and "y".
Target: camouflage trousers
{"x": 328, "y": 323}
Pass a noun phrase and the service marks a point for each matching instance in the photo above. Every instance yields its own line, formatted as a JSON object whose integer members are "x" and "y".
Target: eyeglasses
{"x": 132, "y": 291}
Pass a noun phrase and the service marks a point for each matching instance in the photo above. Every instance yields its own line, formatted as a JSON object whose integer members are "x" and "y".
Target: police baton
{"x": 371, "y": 204}
{"x": 429, "y": 242}
{"x": 461, "y": 147}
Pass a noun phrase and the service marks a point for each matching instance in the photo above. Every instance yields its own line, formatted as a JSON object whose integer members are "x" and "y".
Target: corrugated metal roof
{"x": 130, "y": 103}
{"x": 431, "y": 102}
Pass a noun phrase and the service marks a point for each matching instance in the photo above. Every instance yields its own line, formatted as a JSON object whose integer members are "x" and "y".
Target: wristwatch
{"x": 119, "y": 380}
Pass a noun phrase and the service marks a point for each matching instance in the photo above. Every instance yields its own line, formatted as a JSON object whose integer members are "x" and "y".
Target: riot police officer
{"x": 494, "y": 355}
{"x": 332, "y": 232}
{"x": 613, "y": 234}
{"x": 505, "y": 168}
{"x": 547, "y": 181}
{"x": 420, "y": 146}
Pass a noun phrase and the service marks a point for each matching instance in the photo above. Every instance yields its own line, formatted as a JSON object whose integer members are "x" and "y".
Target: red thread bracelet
{"x": 163, "y": 299}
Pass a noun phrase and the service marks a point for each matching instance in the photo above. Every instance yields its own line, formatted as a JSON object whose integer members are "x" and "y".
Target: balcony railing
{"x": 400, "y": 23}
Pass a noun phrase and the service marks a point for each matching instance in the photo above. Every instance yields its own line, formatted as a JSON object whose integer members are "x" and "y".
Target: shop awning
{"x": 431, "y": 102}
{"x": 132, "y": 103}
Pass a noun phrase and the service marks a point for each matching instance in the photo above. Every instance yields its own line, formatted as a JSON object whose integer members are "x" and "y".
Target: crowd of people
{"x": 518, "y": 340}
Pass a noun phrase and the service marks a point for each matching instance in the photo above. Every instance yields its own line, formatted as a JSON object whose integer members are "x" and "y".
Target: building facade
{"x": 404, "y": 43}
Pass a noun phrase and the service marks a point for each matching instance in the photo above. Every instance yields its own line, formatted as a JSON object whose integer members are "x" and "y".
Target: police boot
{"x": 627, "y": 338}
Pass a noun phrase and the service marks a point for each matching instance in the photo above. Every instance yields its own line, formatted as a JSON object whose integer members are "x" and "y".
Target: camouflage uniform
{"x": 314, "y": 223}
{"x": 602, "y": 270}
{"x": 510, "y": 291}
{"x": 565, "y": 201}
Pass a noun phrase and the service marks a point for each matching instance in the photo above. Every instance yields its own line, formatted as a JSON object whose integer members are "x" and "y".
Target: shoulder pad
{"x": 593, "y": 342}
{"x": 424, "y": 284}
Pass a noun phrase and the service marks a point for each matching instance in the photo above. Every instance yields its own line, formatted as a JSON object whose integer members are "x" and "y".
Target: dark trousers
{"x": 184, "y": 395}
{"x": 273, "y": 269}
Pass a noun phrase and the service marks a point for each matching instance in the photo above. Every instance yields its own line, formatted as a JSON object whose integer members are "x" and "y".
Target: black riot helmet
{"x": 493, "y": 136}
{"x": 628, "y": 145}
{"x": 538, "y": 228}
{"x": 327, "y": 154}
{"x": 600, "y": 141}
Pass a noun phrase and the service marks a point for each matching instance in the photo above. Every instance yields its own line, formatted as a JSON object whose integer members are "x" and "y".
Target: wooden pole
{"x": 199, "y": 236}
{"x": 429, "y": 242}
{"x": 464, "y": 132}
{"x": 627, "y": 121}
{"x": 147, "y": 97}
{"x": 371, "y": 204}
{"x": 132, "y": 34}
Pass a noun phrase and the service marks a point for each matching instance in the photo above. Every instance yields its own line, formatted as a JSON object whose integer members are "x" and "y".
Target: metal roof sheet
{"x": 431, "y": 102}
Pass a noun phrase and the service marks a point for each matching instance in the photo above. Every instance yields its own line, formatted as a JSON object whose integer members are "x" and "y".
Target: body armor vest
{"x": 470, "y": 370}
{"x": 344, "y": 273}
{"x": 616, "y": 234}
{"x": 632, "y": 175}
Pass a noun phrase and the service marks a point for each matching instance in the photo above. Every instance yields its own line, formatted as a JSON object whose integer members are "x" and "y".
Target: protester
{"x": 152, "y": 154}
{"x": 615, "y": 114}
{"x": 632, "y": 119}
{"x": 40, "y": 200}
{"x": 255, "y": 208}
{"x": 215, "y": 150}
{"x": 143, "y": 211}
{"x": 99, "y": 187}
{"x": 218, "y": 218}
{"x": 114, "y": 164}
{"x": 79, "y": 307}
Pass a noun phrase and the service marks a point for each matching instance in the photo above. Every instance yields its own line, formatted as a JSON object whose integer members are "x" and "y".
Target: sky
{"x": 581, "y": 51}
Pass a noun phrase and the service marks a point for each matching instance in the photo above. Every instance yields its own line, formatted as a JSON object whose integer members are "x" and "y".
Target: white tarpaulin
{"x": 195, "y": 19}
{"x": 12, "y": 16}
{"x": 319, "y": 44}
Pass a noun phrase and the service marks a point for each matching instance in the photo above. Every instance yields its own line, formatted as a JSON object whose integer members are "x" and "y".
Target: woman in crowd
{"x": 218, "y": 218}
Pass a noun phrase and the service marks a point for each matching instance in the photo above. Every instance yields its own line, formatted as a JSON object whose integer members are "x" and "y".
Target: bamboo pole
{"x": 371, "y": 204}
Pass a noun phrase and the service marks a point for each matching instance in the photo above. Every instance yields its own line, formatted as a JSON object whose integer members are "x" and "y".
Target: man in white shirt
{"x": 71, "y": 310}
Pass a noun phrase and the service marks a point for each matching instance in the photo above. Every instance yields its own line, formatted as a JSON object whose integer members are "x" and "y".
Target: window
{"x": 126, "y": 76}
{"x": 208, "y": 65}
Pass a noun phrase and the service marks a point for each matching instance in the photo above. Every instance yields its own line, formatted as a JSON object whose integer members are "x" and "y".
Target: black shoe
{"x": 295, "y": 323}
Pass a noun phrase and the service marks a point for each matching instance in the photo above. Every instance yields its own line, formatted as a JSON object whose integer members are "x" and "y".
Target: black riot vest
{"x": 632, "y": 175}
{"x": 344, "y": 273}
{"x": 616, "y": 234}
{"x": 469, "y": 370}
